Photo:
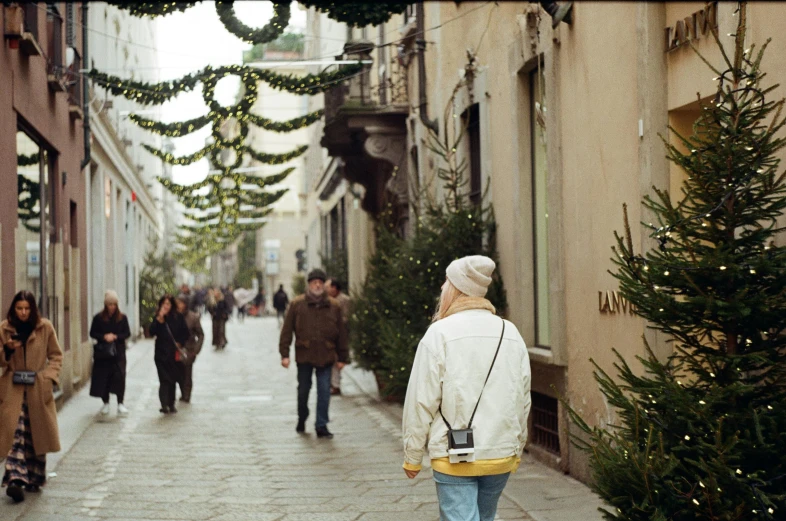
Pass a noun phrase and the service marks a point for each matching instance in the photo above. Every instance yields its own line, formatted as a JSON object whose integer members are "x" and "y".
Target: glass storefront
{"x": 35, "y": 225}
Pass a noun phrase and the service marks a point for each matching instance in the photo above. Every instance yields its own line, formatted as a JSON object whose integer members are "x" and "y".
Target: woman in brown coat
{"x": 28, "y": 417}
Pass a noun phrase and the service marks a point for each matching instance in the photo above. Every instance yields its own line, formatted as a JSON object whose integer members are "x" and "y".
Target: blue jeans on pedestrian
{"x": 469, "y": 498}
{"x": 304, "y": 372}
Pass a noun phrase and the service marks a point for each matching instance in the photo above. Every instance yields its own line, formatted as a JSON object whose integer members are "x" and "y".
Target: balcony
{"x": 29, "y": 41}
{"x": 365, "y": 126}
{"x": 21, "y": 28}
{"x": 55, "y": 73}
{"x": 74, "y": 85}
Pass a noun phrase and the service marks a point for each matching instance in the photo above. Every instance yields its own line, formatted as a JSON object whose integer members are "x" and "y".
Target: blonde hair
{"x": 448, "y": 296}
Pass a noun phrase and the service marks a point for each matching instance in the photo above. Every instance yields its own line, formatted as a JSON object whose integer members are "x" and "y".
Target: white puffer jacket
{"x": 450, "y": 367}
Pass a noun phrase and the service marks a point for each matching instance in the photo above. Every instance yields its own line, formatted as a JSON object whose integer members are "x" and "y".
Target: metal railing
{"x": 359, "y": 91}
{"x": 545, "y": 422}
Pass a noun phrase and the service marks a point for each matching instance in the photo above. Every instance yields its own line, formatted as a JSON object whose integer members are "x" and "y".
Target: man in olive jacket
{"x": 320, "y": 341}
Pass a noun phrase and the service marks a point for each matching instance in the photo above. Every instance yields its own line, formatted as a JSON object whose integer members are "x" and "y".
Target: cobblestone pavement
{"x": 232, "y": 454}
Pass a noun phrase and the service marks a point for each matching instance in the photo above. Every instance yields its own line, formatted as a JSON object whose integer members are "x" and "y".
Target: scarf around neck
{"x": 465, "y": 303}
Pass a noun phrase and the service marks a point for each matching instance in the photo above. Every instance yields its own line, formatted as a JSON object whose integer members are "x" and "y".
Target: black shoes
{"x": 322, "y": 432}
{"x": 15, "y": 492}
{"x": 168, "y": 410}
{"x": 301, "y": 426}
{"x": 35, "y": 489}
{"x": 172, "y": 409}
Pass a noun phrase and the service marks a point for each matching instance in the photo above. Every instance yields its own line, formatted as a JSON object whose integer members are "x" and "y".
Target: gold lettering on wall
{"x": 611, "y": 302}
{"x": 690, "y": 28}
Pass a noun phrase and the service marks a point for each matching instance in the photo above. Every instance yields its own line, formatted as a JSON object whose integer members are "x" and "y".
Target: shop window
{"x": 36, "y": 230}
{"x": 545, "y": 422}
{"x": 539, "y": 163}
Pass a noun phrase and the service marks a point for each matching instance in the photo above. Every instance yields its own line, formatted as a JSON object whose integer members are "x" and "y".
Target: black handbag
{"x": 461, "y": 442}
{"x": 104, "y": 351}
{"x": 23, "y": 377}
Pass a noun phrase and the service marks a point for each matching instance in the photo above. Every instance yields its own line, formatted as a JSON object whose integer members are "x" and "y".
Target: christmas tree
{"x": 700, "y": 436}
{"x": 398, "y": 300}
{"x": 156, "y": 279}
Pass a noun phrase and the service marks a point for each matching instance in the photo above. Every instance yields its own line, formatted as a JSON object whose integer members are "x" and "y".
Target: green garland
{"x": 29, "y": 209}
{"x": 354, "y": 14}
{"x": 151, "y": 9}
{"x": 268, "y": 159}
{"x": 158, "y": 93}
{"x": 28, "y": 160}
{"x": 268, "y": 33}
{"x": 358, "y": 14}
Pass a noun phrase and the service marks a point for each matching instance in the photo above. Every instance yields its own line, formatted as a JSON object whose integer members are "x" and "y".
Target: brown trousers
{"x": 187, "y": 382}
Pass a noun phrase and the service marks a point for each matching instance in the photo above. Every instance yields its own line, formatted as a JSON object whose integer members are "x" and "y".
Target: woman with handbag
{"x": 171, "y": 332}
{"x": 110, "y": 331}
{"x": 31, "y": 362}
{"x": 468, "y": 397}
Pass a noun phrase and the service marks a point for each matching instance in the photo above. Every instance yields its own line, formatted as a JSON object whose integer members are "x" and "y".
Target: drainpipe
{"x": 421, "y": 45}
{"x": 85, "y": 93}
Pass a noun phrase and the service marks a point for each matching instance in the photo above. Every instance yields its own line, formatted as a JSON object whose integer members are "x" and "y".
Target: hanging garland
{"x": 27, "y": 160}
{"x": 225, "y": 205}
{"x": 29, "y": 209}
{"x": 358, "y": 14}
{"x": 183, "y": 128}
{"x": 268, "y": 159}
{"x": 151, "y": 9}
{"x": 158, "y": 93}
{"x": 268, "y": 33}
{"x": 354, "y": 14}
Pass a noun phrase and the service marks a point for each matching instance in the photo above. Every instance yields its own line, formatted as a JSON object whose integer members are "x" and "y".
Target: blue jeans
{"x": 323, "y": 392}
{"x": 469, "y": 498}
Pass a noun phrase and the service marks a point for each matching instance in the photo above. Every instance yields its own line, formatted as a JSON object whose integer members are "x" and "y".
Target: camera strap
{"x": 469, "y": 425}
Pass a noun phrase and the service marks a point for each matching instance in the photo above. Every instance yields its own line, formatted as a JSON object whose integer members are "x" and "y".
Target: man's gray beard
{"x": 316, "y": 293}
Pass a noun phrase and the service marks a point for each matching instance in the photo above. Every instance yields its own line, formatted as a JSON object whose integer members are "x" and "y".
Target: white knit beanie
{"x": 110, "y": 297}
{"x": 471, "y": 275}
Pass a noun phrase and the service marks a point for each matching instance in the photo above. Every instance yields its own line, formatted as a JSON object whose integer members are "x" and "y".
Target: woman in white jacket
{"x": 469, "y": 360}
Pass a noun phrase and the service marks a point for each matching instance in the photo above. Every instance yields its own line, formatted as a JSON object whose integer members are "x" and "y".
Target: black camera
{"x": 461, "y": 445}
{"x": 16, "y": 336}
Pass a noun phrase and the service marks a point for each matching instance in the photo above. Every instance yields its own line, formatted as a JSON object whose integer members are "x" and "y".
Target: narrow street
{"x": 232, "y": 454}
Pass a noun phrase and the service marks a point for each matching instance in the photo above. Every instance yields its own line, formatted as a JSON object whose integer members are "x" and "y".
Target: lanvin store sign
{"x": 690, "y": 28}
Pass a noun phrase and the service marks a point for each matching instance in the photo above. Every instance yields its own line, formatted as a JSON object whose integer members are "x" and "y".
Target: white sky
{"x": 188, "y": 42}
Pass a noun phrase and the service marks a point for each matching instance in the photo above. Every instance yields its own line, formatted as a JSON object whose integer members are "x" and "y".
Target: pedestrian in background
{"x": 171, "y": 332}
{"x": 320, "y": 342}
{"x": 471, "y": 371}
{"x": 280, "y": 303}
{"x": 334, "y": 288}
{"x": 229, "y": 298}
{"x": 110, "y": 326}
{"x": 220, "y": 315}
{"x": 259, "y": 302}
{"x": 210, "y": 301}
{"x": 196, "y": 337}
{"x": 31, "y": 362}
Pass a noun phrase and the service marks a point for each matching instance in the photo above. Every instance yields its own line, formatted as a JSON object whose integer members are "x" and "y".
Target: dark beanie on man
{"x": 317, "y": 274}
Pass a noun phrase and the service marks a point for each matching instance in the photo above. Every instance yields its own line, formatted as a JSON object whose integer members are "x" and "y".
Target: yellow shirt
{"x": 487, "y": 467}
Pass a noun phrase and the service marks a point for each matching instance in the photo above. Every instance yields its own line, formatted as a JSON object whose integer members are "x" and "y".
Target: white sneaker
{"x": 122, "y": 410}
{"x": 105, "y": 409}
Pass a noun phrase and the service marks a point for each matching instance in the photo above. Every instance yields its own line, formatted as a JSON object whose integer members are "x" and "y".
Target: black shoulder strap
{"x": 469, "y": 425}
